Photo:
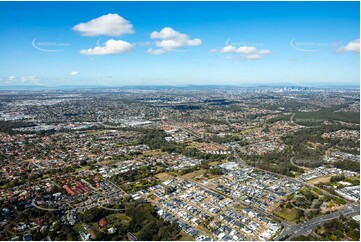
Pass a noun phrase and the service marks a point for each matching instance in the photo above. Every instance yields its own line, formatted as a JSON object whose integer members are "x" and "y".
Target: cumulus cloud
{"x": 110, "y": 47}
{"x": 353, "y": 46}
{"x": 74, "y": 73}
{"x": 109, "y": 24}
{"x": 244, "y": 52}
{"x": 168, "y": 39}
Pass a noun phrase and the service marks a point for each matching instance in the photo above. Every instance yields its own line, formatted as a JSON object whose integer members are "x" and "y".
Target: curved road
{"x": 302, "y": 126}
{"x": 45, "y": 209}
{"x": 292, "y": 163}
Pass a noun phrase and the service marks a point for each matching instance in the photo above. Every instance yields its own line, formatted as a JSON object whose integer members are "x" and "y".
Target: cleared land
{"x": 290, "y": 214}
{"x": 164, "y": 176}
{"x": 321, "y": 179}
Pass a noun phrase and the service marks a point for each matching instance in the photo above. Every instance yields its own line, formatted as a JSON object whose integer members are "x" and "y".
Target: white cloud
{"x": 240, "y": 50}
{"x": 166, "y": 33}
{"x": 109, "y": 24}
{"x": 353, "y": 46}
{"x": 243, "y": 52}
{"x": 12, "y": 78}
{"x": 156, "y": 51}
{"x": 22, "y": 79}
{"x": 110, "y": 47}
{"x": 74, "y": 73}
{"x": 169, "y": 39}
{"x": 146, "y": 43}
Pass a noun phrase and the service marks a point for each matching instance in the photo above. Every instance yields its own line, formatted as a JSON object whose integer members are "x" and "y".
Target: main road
{"x": 310, "y": 225}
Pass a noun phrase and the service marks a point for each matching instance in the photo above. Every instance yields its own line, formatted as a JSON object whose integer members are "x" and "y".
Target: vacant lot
{"x": 164, "y": 176}
{"x": 290, "y": 214}
{"x": 321, "y": 179}
{"x": 194, "y": 174}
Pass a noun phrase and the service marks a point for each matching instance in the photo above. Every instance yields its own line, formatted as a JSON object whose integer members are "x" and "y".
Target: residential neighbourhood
{"x": 212, "y": 176}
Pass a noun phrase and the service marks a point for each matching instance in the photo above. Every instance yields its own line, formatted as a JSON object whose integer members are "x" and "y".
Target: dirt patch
{"x": 331, "y": 207}
{"x": 164, "y": 176}
{"x": 321, "y": 179}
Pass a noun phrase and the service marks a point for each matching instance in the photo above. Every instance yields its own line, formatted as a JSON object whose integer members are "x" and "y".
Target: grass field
{"x": 194, "y": 145}
{"x": 194, "y": 174}
{"x": 214, "y": 163}
{"x": 290, "y": 214}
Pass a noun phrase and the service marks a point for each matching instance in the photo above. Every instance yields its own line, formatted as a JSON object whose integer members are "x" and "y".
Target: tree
{"x": 215, "y": 171}
{"x": 148, "y": 231}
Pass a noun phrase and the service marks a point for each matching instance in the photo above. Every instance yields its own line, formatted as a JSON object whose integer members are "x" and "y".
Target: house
{"x": 102, "y": 222}
{"x": 84, "y": 236}
{"x": 112, "y": 230}
{"x": 221, "y": 236}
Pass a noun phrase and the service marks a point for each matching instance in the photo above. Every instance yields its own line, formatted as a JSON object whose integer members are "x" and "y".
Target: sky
{"x": 180, "y": 43}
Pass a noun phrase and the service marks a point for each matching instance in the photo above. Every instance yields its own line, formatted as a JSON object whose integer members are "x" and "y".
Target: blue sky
{"x": 179, "y": 43}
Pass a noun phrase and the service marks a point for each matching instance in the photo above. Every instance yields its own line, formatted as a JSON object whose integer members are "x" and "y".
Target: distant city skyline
{"x": 180, "y": 43}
